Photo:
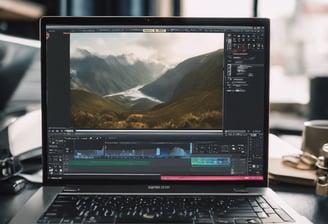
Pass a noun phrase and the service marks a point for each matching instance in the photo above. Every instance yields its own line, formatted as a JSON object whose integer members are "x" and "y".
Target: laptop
{"x": 155, "y": 120}
{"x": 16, "y": 55}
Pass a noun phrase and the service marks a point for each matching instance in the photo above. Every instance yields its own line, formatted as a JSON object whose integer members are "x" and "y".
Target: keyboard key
{"x": 224, "y": 221}
{"x": 167, "y": 219}
{"x": 203, "y": 221}
{"x": 262, "y": 215}
{"x": 283, "y": 215}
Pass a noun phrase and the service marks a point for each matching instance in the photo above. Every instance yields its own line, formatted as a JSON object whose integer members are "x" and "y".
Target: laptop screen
{"x": 156, "y": 99}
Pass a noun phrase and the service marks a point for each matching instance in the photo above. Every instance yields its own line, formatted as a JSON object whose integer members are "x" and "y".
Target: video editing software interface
{"x": 171, "y": 103}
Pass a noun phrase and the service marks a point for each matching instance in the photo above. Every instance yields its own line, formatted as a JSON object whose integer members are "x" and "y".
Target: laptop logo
{"x": 159, "y": 187}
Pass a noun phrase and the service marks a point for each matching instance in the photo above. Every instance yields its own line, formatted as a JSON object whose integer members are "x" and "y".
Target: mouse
{"x": 13, "y": 185}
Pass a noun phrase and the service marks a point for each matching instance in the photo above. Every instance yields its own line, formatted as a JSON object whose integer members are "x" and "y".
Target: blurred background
{"x": 299, "y": 37}
{"x": 299, "y": 55}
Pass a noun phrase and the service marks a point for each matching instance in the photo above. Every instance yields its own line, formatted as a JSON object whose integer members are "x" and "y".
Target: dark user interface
{"x": 141, "y": 103}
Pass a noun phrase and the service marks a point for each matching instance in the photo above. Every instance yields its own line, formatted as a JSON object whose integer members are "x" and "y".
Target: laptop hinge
{"x": 240, "y": 190}
{"x": 71, "y": 189}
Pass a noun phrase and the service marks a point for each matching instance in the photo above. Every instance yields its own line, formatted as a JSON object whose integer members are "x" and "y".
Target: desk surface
{"x": 302, "y": 199}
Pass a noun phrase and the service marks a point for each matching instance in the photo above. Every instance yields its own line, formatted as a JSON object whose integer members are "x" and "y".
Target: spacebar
{"x": 175, "y": 220}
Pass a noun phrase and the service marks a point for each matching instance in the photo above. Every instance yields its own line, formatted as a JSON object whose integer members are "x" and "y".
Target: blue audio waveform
{"x": 152, "y": 153}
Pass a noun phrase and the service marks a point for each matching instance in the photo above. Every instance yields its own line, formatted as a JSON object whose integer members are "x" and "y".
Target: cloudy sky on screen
{"x": 167, "y": 48}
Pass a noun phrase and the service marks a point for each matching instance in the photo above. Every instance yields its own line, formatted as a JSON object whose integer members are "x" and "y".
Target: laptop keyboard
{"x": 163, "y": 209}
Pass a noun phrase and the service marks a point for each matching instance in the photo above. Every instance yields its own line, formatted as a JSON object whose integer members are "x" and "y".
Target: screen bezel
{"x": 171, "y": 21}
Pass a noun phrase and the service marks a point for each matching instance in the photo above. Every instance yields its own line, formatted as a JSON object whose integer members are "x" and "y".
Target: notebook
{"x": 16, "y": 55}
{"x": 155, "y": 120}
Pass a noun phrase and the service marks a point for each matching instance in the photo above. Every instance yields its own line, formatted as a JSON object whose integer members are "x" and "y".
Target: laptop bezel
{"x": 152, "y": 21}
